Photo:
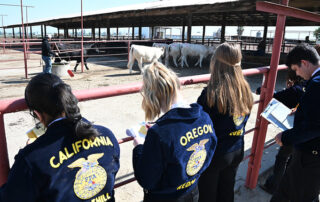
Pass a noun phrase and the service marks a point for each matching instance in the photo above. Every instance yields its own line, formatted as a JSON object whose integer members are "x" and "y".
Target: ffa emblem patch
{"x": 197, "y": 158}
{"x": 91, "y": 178}
{"x": 237, "y": 120}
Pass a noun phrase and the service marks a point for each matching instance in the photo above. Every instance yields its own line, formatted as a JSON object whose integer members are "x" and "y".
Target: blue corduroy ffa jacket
{"x": 177, "y": 149}
{"x": 58, "y": 166}
{"x": 305, "y": 134}
{"x": 230, "y": 130}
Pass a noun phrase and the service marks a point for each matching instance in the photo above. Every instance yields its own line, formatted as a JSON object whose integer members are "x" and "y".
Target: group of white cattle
{"x": 162, "y": 51}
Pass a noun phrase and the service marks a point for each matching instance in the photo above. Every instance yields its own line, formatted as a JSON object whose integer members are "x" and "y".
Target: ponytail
{"x": 48, "y": 94}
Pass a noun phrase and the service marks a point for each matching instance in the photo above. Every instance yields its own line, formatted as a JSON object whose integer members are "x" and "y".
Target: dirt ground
{"x": 116, "y": 113}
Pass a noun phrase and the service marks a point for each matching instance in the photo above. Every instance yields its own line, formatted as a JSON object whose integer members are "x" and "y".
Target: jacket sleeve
{"x": 289, "y": 96}
{"x": 148, "y": 162}
{"x": 19, "y": 186}
{"x": 308, "y": 126}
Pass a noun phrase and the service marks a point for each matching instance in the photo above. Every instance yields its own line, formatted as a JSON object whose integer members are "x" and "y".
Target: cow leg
{"x": 175, "y": 61}
{"x": 197, "y": 62}
{"x": 166, "y": 62}
{"x": 75, "y": 68}
{"x": 130, "y": 64}
{"x": 200, "y": 60}
{"x": 182, "y": 61}
{"x": 140, "y": 63}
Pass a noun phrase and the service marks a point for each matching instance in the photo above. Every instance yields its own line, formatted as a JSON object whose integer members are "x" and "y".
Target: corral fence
{"x": 14, "y": 105}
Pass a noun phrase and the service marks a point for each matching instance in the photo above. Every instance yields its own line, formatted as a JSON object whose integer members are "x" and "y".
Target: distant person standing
{"x": 47, "y": 53}
{"x": 307, "y": 40}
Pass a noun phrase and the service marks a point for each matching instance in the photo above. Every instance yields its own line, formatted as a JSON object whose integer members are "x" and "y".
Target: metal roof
{"x": 177, "y": 13}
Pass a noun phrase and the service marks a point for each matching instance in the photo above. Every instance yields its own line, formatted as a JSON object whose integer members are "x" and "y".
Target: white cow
{"x": 195, "y": 50}
{"x": 164, "y": 58}
{"x": 174, "y": 50}
{"x": 143, "y": 54}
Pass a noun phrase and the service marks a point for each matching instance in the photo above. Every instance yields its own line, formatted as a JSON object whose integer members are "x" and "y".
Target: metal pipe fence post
{"x": 81, "y": 39}
{"x": 267, "y": 94}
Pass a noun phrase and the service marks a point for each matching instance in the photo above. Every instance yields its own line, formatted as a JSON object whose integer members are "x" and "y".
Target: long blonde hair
{"x": 160, "y": 88}
{"x": 227, "y": 87}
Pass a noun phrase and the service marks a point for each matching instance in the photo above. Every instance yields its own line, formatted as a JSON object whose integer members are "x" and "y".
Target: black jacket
{"x": 46, "y": 48}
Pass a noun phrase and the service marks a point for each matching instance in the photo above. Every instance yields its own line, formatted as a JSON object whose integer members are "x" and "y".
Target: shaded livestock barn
{"x": 185, "y": 13}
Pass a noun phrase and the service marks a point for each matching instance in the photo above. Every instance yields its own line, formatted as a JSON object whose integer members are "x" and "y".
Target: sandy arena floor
{"x": 117, "y": 113}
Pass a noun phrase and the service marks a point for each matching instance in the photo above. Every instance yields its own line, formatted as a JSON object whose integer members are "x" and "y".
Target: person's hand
{"x": 278, "y": 139}
{"x": 137, "y": 141}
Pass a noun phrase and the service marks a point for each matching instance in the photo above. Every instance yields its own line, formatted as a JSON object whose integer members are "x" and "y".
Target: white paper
{"x": 278, "y": 114}
{"x": 139, "y": 131}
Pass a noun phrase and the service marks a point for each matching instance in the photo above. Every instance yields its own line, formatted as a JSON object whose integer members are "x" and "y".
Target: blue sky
{"x": 54, "y": 8}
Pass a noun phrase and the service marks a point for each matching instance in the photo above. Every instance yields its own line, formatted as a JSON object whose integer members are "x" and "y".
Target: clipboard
{"x": 279, "y": 115}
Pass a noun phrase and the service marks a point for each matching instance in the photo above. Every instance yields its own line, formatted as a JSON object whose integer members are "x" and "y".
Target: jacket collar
{"x": 182, "y": 113}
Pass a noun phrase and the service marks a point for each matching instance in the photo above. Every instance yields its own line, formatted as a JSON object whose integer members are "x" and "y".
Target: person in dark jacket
{"x": 178, "y": 147}
{"x": 290, "y": 97}
{"x": 72, "y": 161}
{"x": 301, "y": 181}
{"x": 228, "y": 100}
{"x": 47, "y": 53}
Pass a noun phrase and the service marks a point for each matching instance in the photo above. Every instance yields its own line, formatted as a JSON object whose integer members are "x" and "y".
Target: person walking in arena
{"x": 179, "y": 145}
{"x": 72, "y": 161}
{"x": 301, "y": 181}
{"x": 228, "y": 100}
{"x": 47, "y": 53}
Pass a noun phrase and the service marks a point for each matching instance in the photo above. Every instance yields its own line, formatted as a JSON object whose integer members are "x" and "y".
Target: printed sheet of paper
{"x": 139, "y": 130}
{"x": 278, "y": 114}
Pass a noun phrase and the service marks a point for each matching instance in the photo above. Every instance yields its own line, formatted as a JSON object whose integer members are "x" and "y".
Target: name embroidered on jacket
{"x": 195, "y": 133}
{"x": 102, "y": 198}
{"x": 197, "y": 158}
{"x": 84, "y": 143}
{"x": 91, "y": 178}
{"x": 186, "y": 185}
{"x": 236, "y": 133}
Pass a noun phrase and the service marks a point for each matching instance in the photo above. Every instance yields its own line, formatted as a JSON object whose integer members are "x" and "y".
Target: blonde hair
{"x": 227, "y": 87}
{"x": 159, "y": 90}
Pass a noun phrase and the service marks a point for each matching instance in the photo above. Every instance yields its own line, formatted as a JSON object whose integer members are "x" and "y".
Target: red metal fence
{"x": 14, "y": 105}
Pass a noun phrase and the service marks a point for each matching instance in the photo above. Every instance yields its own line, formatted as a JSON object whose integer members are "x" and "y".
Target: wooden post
{"x": 45, "y": 30}
{"x": 31, "y": 32}
{"x": 93, "y": 33}
{"x": 223, "y": 29}
{"x": 41, "y": 31}
{"x": 189, "y": 28}
{"x": 25, "y": 32}
{"x": 108, "y": 29}
{"x": 152, "y": 33}
{"x": 132, "y": 32}
{"x": 20, "y": 32}
{"x": 13, "y": 34}
{"x": 140, "y": 32}
{"x": 4, "y": 32}
{"x": 117, "y": 33}
{"x": 183, "y": 30}
{"x": 203, "y": 33}
{"x": 76, "y": 33}
{"x": 99, "y": 33}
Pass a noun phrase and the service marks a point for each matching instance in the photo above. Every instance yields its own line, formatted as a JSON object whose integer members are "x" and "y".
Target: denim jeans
{"x": 47, "y": 61}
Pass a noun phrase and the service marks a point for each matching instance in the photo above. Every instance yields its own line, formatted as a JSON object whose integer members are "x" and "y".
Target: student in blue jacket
{"x": 72, "y": 161}
{"x": 301, "y": 181}
{"x": 228, "y": 100}
{"x": 178, "y": 147}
